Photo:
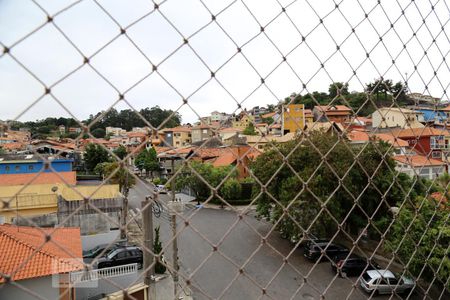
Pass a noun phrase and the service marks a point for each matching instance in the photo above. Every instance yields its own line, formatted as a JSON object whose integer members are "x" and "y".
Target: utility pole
{"x": 149, "y": 259}
{"x": 174, "y": 232}
{"x": 125, "y": 188}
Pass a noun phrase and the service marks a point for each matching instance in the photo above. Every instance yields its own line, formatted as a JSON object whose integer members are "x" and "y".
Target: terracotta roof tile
{"x": 418, "y": 132}
{"x": 418, "y": 160}
{"x": 27, "y": 245}
{"x": 38, "y": 178}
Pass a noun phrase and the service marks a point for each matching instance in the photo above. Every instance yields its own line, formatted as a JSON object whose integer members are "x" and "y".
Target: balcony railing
{"x": 92, "y": 275}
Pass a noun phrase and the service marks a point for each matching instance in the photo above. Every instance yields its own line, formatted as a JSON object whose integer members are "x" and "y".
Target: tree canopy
{"x": 337, "y": 184}
{"x": 94, "y": 155}
{"x": 250, "y": 129}
{"x": 147, "y": 160}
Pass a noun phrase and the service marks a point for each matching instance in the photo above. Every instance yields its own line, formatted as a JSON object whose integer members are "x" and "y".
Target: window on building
{"x": 205, "y": 131}
{"x": 436, "y": 154}
{"x": 46, "y": 166}
{"x": 31, "y": 167}
{"x": 437, "y": 142}
{"x": 7, "y": 168}
{"x": 17, "y": 168}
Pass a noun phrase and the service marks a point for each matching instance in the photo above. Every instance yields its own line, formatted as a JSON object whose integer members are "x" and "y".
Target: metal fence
{"x": 330, "y": 180}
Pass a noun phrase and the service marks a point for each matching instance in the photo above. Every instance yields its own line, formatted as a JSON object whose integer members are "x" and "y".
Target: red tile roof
{"x": 418, "y": 160}
{"x": 418, "y": 132}
{"x": 333, "y": 108}
{"x": 27, "y": 245}
{"x": 388, "y": 138}
{"x": 359, "y": 136}
{"x": 38, "y": 178}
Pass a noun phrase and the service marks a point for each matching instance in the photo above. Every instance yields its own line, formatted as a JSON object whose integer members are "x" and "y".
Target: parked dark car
{"x": 121, "y": 256}
{"x": 352, "y": 265}
{"x": 98, "y": 250}
{"x": 313, "y": 250}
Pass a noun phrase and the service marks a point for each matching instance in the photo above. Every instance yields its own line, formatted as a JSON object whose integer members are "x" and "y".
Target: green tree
{"x": 338, "y": 88}
{"x": 95, "y": 154}
{"x": 250, "y": 129}
{"x": 121, "y": 152}
{"x": 231, "y": 189}
{"x": 331, "y": 184}
{"x": 147, "y": 160}
{"x": 122, "y": 177}
{"x": 99, "y": 133}
{"x": 212, "y": 175}
{"x": 420, "y": 236}
{"x": 157, "y": 249}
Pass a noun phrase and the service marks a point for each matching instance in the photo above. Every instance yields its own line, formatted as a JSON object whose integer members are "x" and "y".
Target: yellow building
{"x": 243, "y": 122}
{"x": 293, "y": 118}
{"x": 42, "y": 199}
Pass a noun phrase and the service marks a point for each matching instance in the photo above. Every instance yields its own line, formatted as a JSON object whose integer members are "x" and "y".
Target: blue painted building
{"x": 431, "y": 115}
{"x": 25, "y": 164}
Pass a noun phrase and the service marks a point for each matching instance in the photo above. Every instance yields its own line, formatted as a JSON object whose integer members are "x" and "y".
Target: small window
{"x": 7, "y": 168}
{"x": 46, "y": 166}
{"x": 31, "y": 167}
{"x": 205, "y": 131}
{"x": 17, "y": 168}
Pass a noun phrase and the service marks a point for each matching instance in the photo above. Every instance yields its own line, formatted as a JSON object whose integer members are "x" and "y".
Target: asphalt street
{"x": 228, "y": 257}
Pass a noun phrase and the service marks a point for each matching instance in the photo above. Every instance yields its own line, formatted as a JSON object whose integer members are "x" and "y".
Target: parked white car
{"x": 160, "y": 189}
{"x": 385, "y": 282}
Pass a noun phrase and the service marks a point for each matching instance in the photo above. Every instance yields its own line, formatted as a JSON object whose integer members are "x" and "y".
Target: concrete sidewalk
{"x": 164, "y": 289}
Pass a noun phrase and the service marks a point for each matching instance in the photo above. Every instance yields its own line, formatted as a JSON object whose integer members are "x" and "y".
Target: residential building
{"x": 135, "y": 138}
{"x": 75, "y": 130}
{"x": 293, "y": 118}
{"x": 262, "y": 128}
{"x": 390, "y": 117}
{"x": 421, "y": 98}
{"x": 115, "y": 131}
{"x": 420, "y": 165}
{"x": 178, "y": 136}
{"x": 145, "y": 129}
{"x": 260, "y": 142}
{"x": 35, "y": 264}
{"x": 243, "y": 121}
{"x": 276, "y": 117}
{"x": 226, "y": 133}
{"x": 237, "y": 155}
{"x": 219, "y": 117}
{"x": 433, "y": 116}
{"x": 24, "y": 169}
{"x": 275, "y": 129}
{"x": 309, "y": 118}
{"x": 332, "y": 113}
{"x": 50, "y": 204}
{"x": 358, "y": 137}
{"x": 427, "y": 141}
{"x": 256, "y": 112}
{"x": 62, "y": 129}
{"x": 202, "y": 132}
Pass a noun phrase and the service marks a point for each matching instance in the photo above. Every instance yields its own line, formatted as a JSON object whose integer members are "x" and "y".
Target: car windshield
{"x": 366, "y": 277}
{"x": 111, "y": 254}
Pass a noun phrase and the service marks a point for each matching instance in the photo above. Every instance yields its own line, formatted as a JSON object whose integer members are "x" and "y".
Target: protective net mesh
{"x": 355, "y": 179}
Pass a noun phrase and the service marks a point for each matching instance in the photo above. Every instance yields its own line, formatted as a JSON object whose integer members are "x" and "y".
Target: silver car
{"x": 385, "y": 282}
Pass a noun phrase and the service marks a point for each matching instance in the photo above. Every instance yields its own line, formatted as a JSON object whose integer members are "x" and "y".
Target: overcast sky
{"x": 49, "y": 56}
